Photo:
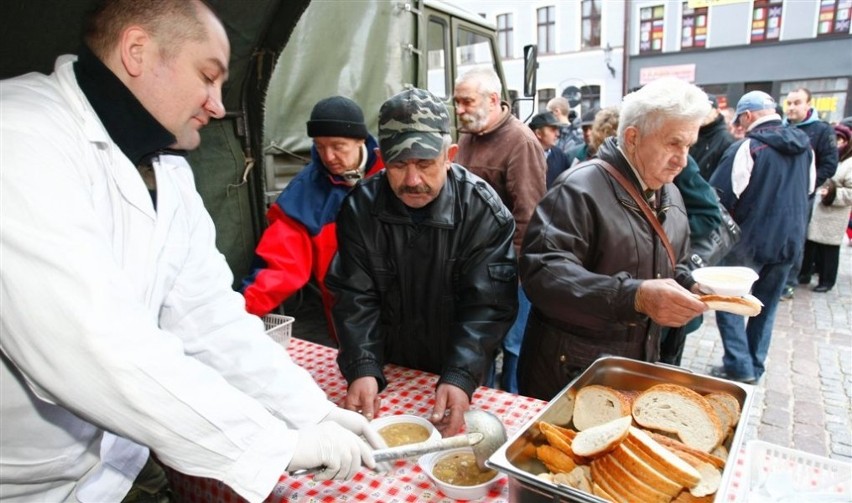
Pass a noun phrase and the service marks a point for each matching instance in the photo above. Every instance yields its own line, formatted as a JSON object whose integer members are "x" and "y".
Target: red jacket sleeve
{"x": 285, "y": 252}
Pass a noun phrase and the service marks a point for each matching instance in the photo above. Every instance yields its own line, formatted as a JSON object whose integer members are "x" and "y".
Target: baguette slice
{"x": 747, "y": 305}
{"x": 661, "y": 458}
{"x": 645, "y": 471}
{"x": 596, "y": 404}
{"x": 677, "y": 447}
{"x": 711, "y": 477}
{"x": 729, "y": 401}
{"x": 619, "y": 475}
{"x": 602, "y": 438}
{"x": 679, "y": 410}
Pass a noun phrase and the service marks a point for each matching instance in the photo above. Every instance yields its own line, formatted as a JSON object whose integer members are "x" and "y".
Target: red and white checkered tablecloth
{"x": 409, "y": 392}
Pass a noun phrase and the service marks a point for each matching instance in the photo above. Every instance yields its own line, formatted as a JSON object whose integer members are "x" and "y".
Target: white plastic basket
{"x": 775, "y": 473}
{"x": 279, "y": 327}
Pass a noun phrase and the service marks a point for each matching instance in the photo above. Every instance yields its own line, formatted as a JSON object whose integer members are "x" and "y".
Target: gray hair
{"x": 660, "y": 100}
{"x": 486, "y": 79}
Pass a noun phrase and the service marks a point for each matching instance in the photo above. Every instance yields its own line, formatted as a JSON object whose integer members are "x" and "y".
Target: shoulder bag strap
{"x": 643, "y": 205}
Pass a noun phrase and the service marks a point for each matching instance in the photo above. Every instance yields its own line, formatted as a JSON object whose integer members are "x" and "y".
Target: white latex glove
{"x": 330, "y": 446}
{"x": 357, "y": 424}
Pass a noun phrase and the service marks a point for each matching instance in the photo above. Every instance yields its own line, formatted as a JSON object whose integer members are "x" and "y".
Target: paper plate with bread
{"x": 730, "y": 288}
{"x": 626, "y": 430}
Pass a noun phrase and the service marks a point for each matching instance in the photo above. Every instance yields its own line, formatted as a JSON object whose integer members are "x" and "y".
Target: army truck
{"x": 286, "y": 56}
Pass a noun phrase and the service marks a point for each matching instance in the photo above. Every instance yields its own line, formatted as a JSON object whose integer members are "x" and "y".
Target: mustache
{"x": 417, "y": 189}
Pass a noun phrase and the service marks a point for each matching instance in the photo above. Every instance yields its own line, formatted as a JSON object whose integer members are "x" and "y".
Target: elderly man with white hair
{"x": 604, "y": 269}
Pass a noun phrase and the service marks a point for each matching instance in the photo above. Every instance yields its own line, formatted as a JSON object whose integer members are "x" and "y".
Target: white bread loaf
{"x": 602, "y": 438}
{"x": 596, "y": 404}
{"x": 678, "y": 409}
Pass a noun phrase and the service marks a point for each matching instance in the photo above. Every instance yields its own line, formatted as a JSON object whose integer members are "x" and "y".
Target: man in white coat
{"x": 120, "y": 330}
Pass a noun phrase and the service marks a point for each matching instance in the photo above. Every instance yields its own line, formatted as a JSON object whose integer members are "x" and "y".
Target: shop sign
{"x": 683, "y": 72}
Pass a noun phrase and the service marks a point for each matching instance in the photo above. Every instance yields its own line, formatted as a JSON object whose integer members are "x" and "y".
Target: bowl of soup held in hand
{"x": 404, "y": 429}
{"x": 736, "y": 281}
{"x": 456, "y": 474}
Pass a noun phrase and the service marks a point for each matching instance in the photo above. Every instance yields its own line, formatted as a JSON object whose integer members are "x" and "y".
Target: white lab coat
{"x": 120, "y": 318}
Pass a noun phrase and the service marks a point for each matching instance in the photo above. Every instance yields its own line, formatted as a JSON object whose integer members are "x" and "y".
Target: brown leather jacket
{"x": 587, "y": 249}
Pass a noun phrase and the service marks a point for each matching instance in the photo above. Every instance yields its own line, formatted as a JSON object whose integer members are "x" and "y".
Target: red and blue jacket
{"x": 301, "y": 238}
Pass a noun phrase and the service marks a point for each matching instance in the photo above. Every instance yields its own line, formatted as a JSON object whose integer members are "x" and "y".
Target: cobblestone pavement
{"x": 804, "y": 401}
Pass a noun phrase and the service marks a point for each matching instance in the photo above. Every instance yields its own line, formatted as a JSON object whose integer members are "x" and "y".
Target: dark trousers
{"x": 823, "y": 260}
{"x": 150, "y": 486}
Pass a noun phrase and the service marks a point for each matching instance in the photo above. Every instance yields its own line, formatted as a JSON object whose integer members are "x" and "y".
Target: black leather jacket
{"x": 587, "y": 249}
{"x": 438, "y": 295}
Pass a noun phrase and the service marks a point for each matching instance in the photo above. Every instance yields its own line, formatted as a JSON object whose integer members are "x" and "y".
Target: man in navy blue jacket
{"x": 764, "y": 181}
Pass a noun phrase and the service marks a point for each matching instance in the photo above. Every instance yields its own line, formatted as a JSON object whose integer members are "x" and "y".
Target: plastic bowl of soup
{"x": 735, "y": 281}
{"x": 455, "y": 473}
{"x": 404, "y": 429}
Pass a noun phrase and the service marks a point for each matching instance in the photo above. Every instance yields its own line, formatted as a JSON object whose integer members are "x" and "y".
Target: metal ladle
{"x": 485, "y": 435}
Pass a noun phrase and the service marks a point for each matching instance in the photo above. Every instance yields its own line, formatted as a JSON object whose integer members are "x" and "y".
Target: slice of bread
{"x": 711, "y": 477}
{"x": 644, "y": 470}
{"x": 678, "y": 409}
{"x": 602, "y": 438}
{"x": 724, "y": 415}
{"x": 554, "y": 460}
{"x": 614, "y": 491}
{"x": 661, "y": 458}
{"x": 677, "y": 447}
{"x": 729, "y": 401}
{"x": 634, "y": 486}
{"x": 600, "y": 492}
{"x": 596, "y": 404}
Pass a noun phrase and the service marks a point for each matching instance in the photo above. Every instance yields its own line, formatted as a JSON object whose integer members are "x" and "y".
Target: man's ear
{"x": 452, "y": 150}
{"x": 132, "y": 47}
{"x": 631, "y": 138}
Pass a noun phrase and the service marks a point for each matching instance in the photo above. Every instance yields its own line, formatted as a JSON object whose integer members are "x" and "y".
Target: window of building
{"x": 834, "y": 17}
{"x": 591, "y": 97}
{"x": 591, "y": 11}
{"x": 544, "y": 96}
{"x": 546, "y": 29}
{"x": 437, "y": 47}
{"x": 505, "y": 30}
{"x": 651, "y": 29}
{"x": 766, "y": 20}
{"x": 693, "y": 32}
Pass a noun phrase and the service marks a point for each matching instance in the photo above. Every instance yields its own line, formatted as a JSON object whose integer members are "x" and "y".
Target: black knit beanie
{"x": 337, "y": 116}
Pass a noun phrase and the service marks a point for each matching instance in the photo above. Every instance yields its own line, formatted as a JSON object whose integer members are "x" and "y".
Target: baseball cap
{"x": 753, "y": 101}
{"x": 412, "y": 125}
{"x": 544, "y": 119}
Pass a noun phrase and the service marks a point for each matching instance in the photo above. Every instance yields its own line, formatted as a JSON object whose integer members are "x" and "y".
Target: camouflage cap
{"x": 412, "y": 125}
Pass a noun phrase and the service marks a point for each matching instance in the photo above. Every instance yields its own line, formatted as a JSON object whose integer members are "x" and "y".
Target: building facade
{"x": 580, "y": 48}
{"x": 730, "y": 47}
{"x": 596, "y": 50}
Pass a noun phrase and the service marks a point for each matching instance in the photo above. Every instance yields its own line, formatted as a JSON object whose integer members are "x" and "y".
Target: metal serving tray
{"x": 517, "y": 458}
